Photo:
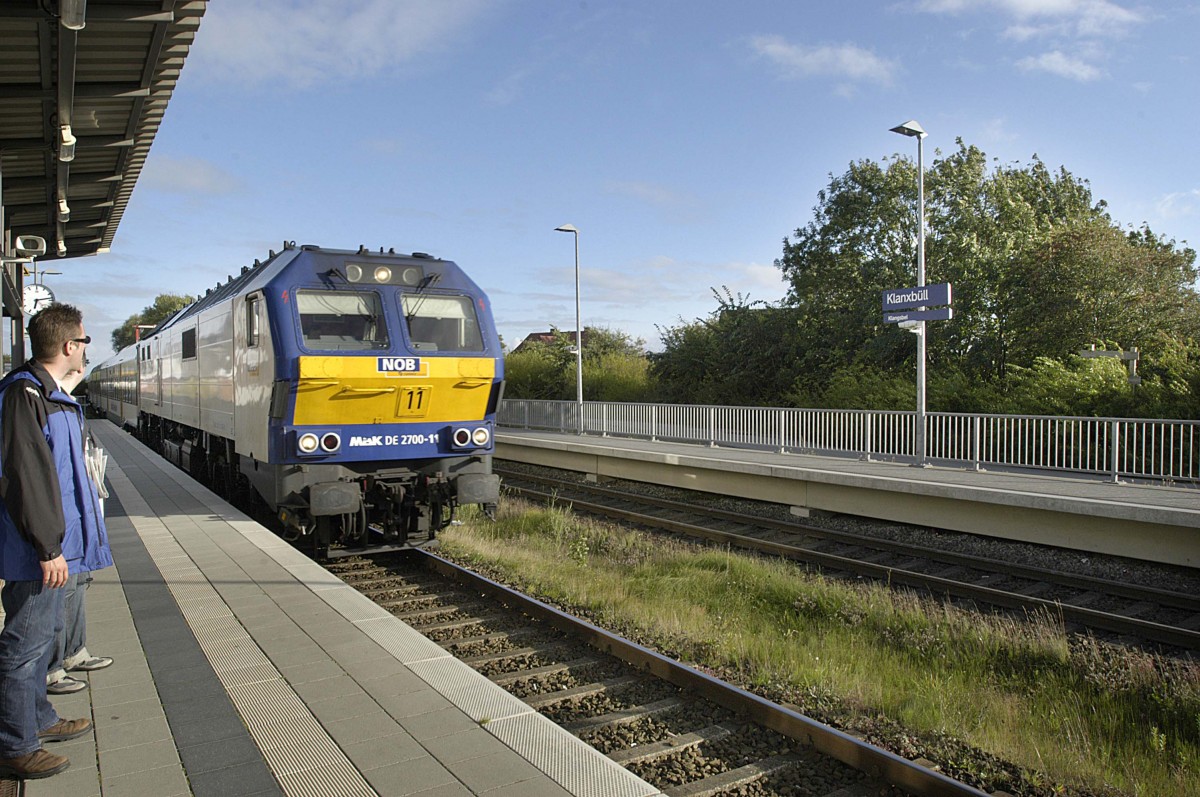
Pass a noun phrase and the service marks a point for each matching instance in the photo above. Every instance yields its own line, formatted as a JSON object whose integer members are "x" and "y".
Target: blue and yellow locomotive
{"x": 354, "y": 392}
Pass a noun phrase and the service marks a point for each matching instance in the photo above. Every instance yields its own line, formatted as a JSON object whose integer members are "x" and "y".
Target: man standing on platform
{"x": 49, "y": 517}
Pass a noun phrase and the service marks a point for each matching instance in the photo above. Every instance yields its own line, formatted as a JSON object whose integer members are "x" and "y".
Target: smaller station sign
{"x": 936, "y": 314}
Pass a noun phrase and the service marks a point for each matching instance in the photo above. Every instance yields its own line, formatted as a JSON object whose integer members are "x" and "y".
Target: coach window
{"x": 341, "y": 320}
{"x": 441, "y": 323}
{"x": 189, "y": 344}
{"x": 252, "y": 329}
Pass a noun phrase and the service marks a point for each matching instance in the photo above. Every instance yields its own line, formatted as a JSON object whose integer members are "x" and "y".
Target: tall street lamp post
{"x": 914, "y": 130}
{"x": 578, "y": 333}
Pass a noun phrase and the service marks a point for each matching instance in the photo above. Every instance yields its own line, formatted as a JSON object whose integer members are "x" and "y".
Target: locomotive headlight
{"x": 331, "y": 442}
{"x": 307, "y": 443}
{"x": 471, "y": 438}
{"x": 383, "y": 274}
{"x": 411, "y": 276}
{"x": 354, "y": 272}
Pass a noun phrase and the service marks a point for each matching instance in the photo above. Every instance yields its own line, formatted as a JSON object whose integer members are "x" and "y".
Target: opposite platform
{"x": 1142, "y": 521}
{"x": 243, "y": 668}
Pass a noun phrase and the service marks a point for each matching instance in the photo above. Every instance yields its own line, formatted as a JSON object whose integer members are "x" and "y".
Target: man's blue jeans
{"x": 33, "y": 616}
{"x": 73, "y": 637}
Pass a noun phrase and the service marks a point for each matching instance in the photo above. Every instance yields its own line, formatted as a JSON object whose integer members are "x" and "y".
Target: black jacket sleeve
{"x": 29, "y": 484}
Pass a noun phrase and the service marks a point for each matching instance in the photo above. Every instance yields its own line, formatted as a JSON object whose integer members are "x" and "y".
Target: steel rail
{"x": 874, "y": 761}
{"x": 1163, "y": 597}
{"x": 1120, "y": 624}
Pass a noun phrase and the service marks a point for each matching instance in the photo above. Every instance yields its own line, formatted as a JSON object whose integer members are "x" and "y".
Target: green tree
{"x": 616, "y": 376}
{"x": 1094, "y": 283}
{"x": 534, "y": 372}
{"x": 746, "y": 353}
{"x": 982, "y": 225}
{"x": 613, "y": 365}
{"x": 1039, "y": 270}
{"x": 165, "y": 305}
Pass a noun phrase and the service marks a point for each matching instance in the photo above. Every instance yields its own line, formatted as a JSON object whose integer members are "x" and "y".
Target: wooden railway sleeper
{"x": 475, "y": 662}
{"x": 723, "y": 781}
{"x": 645, "y": 752}
{"x": 484, "y": 639}
{"x": 615, "y": 719}
{"x": 586, "y": 690}
{"x": 534, "y": 673}
{"x": 454, "y": 625}
{"x": 415, "y": 616}
{"x": 374, "y": 591}
{"x": 399, "y": 606}
{"x": 1085, "y": 599}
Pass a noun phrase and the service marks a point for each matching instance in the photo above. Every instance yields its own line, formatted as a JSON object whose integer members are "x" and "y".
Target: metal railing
{"x": 1166, "y": 451}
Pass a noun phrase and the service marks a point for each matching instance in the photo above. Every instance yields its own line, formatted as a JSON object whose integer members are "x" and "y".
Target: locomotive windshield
{"x": 341, "y": 320}
{"x": 441, "y": 323}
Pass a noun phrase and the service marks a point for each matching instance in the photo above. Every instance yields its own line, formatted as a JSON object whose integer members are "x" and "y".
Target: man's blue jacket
{"x": 48, "y": 503}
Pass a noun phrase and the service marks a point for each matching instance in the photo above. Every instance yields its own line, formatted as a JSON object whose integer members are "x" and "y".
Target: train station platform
{"x": 244, "y": 668}
{"x": 1155, "y": 523}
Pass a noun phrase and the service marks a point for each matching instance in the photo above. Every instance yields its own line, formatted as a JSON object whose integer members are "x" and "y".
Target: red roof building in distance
{"x": 546, "y": 338}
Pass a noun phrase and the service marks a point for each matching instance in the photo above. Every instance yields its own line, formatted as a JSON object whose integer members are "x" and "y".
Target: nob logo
{"x": 398, "y": 365}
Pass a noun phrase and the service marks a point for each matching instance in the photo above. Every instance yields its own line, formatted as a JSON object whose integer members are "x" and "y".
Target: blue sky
{"x": 684, "y": 138}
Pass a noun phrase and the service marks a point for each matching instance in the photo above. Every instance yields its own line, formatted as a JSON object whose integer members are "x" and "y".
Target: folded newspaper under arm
{"x": 97, "y": 461}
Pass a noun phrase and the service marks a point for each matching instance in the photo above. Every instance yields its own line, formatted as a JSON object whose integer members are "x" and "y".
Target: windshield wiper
{"x": 429, "y": 280}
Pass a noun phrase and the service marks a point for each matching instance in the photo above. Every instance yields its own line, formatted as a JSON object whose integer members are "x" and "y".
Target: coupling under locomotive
{"x": 353, "y": 392}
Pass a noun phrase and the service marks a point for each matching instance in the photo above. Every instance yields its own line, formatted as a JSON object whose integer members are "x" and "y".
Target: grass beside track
{"x": 1005, "y": 704}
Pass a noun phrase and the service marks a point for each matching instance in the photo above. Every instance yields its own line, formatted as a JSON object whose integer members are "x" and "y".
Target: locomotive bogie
{"x": 350, "y": 392}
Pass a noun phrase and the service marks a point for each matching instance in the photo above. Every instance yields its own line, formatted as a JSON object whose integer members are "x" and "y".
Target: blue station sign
{"x": 920, "y": 296}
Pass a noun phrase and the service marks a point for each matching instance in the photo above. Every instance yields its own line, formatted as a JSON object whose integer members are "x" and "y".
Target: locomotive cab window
{"x": 341, "y": 320}
{"x": 189, "y": 344}
{"x": 252, "y": 322}
{"x": 441, "y": 323}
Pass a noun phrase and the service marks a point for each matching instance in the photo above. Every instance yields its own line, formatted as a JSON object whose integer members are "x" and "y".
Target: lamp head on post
{"x": 910, "y": 128}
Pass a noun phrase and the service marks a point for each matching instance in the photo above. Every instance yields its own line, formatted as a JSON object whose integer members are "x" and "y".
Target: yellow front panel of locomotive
{"x": 356, "y": 390}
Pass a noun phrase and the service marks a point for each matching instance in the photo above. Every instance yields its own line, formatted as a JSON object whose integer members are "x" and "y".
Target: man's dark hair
{"x": 51, "y": 328}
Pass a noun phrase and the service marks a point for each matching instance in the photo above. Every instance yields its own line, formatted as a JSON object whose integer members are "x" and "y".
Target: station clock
{"x": 36, "y": 297}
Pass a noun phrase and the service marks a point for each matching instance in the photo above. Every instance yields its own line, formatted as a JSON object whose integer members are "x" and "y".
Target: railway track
{"x": 1134, "y": 612}
{"x": 683, "y": 731}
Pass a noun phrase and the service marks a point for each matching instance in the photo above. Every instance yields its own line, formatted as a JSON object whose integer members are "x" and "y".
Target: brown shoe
{"x": 38, "y": 764}
{"x": 63, "y": 730}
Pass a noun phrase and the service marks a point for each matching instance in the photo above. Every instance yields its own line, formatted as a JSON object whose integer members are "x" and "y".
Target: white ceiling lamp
{"x": 72, "y": 13}
{"x": 66, "y": 144}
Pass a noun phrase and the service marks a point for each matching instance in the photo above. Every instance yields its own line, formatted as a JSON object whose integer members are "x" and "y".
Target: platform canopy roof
{"x": 79, "y": 108}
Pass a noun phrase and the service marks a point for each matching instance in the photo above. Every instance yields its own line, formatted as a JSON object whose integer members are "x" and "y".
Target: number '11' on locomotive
{"x": 353, "y": 392}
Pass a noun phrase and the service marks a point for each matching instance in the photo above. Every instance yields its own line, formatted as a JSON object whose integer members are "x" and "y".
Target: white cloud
{"x": 761, "y": 282}
{"x": 675, "y": 207}
{"x": 1061, "y": 64}
{"x": 1034, "y": 18}
{"x": 651, "y": 193}
{"x": 1181, "y": 204}
{"x": 307, "y": 42}
{"x": 843, "y": 61}
{"x": 995, "y": 131}
{"x": 187, "y": 176}
{"x": 510, "y": 88}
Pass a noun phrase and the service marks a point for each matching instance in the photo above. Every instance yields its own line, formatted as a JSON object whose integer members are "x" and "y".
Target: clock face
{"x": 35, "y": 298}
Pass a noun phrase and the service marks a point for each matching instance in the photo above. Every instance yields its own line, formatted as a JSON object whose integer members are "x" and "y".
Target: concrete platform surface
{"x": 243, "y": 668}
